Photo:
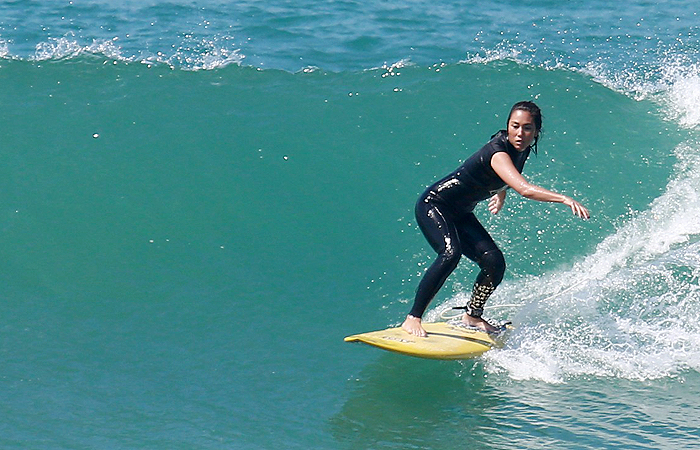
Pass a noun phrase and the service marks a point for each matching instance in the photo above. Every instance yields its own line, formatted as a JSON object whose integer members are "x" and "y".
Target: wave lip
{"x": 192, "y": 54}
{"x": 65, "y": 48}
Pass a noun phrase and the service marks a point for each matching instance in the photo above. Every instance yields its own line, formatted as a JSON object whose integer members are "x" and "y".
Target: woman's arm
{"x": 504, "y": 168}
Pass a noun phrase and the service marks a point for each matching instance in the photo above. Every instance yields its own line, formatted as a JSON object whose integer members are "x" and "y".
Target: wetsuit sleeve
{"x": 496, "y": 145}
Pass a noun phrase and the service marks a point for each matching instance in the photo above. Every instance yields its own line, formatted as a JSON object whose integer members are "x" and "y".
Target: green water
{"x": 184, "y": 252}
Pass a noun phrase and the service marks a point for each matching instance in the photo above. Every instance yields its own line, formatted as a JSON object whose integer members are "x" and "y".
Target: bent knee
{"x": 493, "y": 264}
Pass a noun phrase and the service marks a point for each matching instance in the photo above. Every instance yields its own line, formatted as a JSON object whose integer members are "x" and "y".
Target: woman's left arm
{"x": 504, "y": 168}
{"x": 496, "y": 202}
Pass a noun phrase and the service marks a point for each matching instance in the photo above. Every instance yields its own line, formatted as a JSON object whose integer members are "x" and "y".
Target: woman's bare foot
{"x": 478, "y": 322}
{"x": 412, "y": 325}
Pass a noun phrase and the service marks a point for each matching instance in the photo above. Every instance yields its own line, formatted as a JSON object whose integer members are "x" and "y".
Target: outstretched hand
{"x": 577, "y": 208}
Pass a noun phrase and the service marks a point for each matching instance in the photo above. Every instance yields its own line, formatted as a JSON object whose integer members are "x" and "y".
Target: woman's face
{"x": 521, "y": 130}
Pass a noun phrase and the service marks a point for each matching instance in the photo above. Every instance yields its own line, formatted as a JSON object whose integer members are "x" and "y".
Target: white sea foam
{"x": 191, "y": 55}
{"x": 504, "y": 51}
{"x": 673, "y": 82}
{"x": 630, "y": 310}
{"x": 4, "y": 50}
{"x": 684, "y": 96}
{"x": 66, "y": 47}
{"x": 204, "y": 54}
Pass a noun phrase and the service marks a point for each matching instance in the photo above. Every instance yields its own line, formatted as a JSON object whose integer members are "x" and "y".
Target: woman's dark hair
{"x": 536, "y": 114}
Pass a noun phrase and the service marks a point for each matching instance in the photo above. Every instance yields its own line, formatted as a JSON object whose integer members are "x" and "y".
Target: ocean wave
{"x": 670, "y": 78}
{"x": 192, "y": 54}
{"x": 629, "y": 310}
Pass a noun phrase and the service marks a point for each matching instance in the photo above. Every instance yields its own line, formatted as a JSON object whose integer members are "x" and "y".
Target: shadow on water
{"x": 405, "y": 402}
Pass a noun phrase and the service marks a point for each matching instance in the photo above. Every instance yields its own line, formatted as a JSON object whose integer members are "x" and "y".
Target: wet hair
{"x": 536, "y": 114}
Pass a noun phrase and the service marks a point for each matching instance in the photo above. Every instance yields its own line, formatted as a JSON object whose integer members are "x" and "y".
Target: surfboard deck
{"x": 445, "y": 341}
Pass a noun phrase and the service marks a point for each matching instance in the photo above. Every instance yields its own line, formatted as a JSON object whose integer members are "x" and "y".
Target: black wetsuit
{"x": 445, "y": 216}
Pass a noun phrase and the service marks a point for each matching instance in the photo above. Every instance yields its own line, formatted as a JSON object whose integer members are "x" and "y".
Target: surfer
{"x": 446, "y": 218}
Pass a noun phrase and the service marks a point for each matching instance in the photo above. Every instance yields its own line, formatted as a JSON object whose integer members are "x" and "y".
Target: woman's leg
{"x": 478, "y": 246}
{"x": 442, "y": 235}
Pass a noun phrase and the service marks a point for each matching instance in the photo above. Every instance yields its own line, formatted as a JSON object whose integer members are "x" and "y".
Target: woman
{"x": 446, "y": 218}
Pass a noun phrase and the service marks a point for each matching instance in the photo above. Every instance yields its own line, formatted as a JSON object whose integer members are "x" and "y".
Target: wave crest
{"x": 192, "y": 54}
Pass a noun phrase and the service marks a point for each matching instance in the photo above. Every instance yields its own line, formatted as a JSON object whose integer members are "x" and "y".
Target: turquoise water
{"x": 198, "y": 202}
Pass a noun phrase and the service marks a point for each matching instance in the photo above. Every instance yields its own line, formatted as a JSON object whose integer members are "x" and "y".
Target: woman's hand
{"x": 496, "y": 202}
{"x": 577, "y": 208}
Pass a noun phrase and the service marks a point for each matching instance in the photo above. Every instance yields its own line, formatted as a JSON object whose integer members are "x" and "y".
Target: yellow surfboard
{"x": 445, "y": 341}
